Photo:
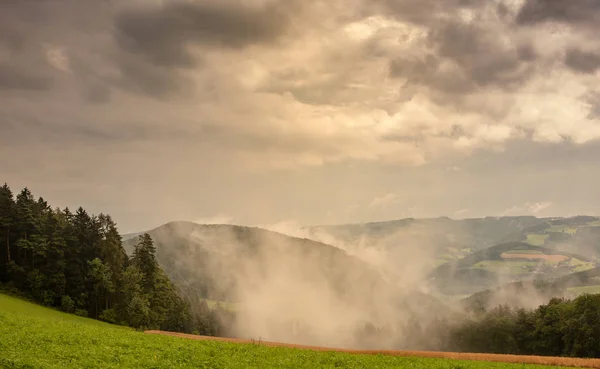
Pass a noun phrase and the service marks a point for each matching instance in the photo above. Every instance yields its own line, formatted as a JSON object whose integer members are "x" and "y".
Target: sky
{"x": 312, "y": 111}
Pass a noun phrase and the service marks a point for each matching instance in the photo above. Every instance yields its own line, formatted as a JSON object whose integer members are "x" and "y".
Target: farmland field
{"x": 585, "y": 289}
{"x": 513, "y": 266}
{"x": 563, "y": 229}
{"x": 536, "y": 239}
{"x": 36, "y": 337}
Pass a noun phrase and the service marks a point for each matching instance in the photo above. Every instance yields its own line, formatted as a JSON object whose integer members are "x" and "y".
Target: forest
{"x": 75, "y": 261}
{"x": 561, "y": 327}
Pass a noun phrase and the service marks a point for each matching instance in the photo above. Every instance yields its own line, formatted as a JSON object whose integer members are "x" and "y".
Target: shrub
{"x": 109, "y": 315}
{"x": 67, "y": 304}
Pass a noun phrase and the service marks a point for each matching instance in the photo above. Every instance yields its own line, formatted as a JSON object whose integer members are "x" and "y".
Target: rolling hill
{"x": 472, "y": 255}
{"x": 289, "y": 289}
{"x": 214, "y": 260}
{"x": 446, "y": 238}
{"x": 503, "y": 263}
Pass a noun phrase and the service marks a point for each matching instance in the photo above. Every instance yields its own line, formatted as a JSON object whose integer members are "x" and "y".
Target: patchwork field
{"x": 35, "y": 337}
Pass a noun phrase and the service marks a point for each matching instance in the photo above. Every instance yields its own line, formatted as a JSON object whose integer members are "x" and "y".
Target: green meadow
{"x": 32, "y": 336}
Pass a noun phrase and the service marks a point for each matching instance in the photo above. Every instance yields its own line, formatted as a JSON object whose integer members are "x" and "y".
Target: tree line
{"x": 561, "y": 327}
{"x": 76, "y": 262}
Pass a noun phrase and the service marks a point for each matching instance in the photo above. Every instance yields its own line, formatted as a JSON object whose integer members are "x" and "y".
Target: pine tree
{"x": 100, "y": 281}
{"x": 144, "y": 258}
{"x": 26, "y": 225}
{"x": 7, "y": 221}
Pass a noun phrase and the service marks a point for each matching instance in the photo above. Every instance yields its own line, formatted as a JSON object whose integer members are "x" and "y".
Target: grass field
{"x": 563, "y": 229}
{"x": 585, "y": 289}
{"x": 511, "y": 266}
{"x": 35, "y": 337}
{"x": 536, "y": 239}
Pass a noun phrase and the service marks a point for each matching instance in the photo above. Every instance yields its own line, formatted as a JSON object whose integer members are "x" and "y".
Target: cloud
{"x": 385, "y": 200}
{"x": 12, "y": 78}
{"x": 164, "y": 33}
{"x": 58, "y": 58}
{"x": 538, "y": 206}
{"x": 217, "y": 219}
{"x": 532, "y": 208}
{"x": 583, "y": 12}
{"x": 461, "y": 212}
{"x": 582, "y": 61}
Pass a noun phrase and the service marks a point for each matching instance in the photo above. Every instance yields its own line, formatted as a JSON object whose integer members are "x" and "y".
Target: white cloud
{"x": 461, "y": 212}
{"x": 532, "y": 208}
{"x": 217, "y": 219}
{"x": 58, "y": 58}
{"x": 384, "y": 201}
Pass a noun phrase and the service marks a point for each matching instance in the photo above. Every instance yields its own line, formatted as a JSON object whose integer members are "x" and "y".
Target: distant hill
{"x": 532, "y": 293}
{"x": 213, "y": 261}
{"x": 450, "y": 239}
{"x": 507, "y": 262}
{"x": 453, "y": 238}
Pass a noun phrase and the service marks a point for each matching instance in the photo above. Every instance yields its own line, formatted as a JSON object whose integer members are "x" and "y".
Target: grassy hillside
{"x": 35, "y": 337}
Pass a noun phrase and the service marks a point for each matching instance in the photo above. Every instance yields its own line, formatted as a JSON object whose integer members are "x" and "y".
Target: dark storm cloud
{"x": 162, "y": 35}
{"x": 426, "y": 12}
{"x": 97, "y": 93}
{"x": 479, "y": 58}
{"x": 479, "y": 52}
{"x": 35, "y": 33}
{"x": 152, "y": 80}
{"x": 576, "y": 12}
{"x": 22, "y": 66}
{"x": 582, "y": 61}
{"x": 14, "y": 78}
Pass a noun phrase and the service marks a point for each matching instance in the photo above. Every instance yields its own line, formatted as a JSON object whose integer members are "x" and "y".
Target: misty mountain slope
{"x": 211, "y": 261}
{"x": 281, "y": 281}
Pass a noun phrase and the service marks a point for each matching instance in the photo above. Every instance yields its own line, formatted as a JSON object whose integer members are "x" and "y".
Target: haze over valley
{"x": 321, "y": 285}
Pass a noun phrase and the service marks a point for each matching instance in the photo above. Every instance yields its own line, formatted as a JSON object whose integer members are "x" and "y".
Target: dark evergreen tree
{"x": 7, "y": 223}
{"x": 144, "y": 258}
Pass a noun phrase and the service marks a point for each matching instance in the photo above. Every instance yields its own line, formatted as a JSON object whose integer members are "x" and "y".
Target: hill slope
{"x": 213, "y": 261}
{"x": 289, "y": 289}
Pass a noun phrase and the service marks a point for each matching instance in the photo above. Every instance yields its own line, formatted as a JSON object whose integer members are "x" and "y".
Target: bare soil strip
{"x": 518, "y": 359}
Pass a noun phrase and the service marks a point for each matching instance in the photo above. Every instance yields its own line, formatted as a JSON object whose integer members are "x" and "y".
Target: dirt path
{"x": 540, "y": 360}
